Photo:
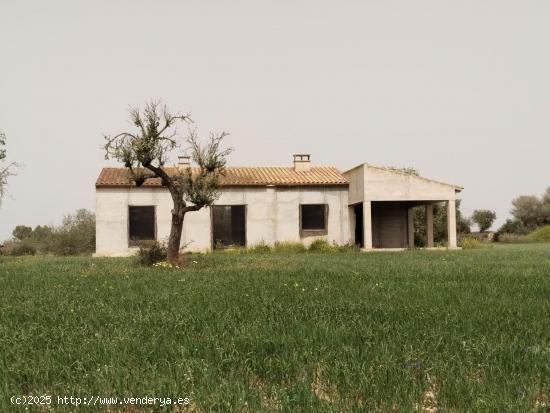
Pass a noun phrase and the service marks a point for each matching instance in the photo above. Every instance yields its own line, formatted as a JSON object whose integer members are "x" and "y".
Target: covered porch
{"x": 382, "y": 202}
{"x": 391, "y": 224}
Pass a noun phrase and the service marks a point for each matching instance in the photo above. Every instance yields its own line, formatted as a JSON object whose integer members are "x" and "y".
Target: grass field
{"x": 463, "y": 331}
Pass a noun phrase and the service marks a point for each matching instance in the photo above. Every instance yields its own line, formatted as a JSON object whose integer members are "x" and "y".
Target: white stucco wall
{"x": 272, "y": 214}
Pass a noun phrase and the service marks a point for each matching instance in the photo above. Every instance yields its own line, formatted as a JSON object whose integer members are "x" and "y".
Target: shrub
{"x": 261, "y": 248}
{"x": 289, "y": 247}
{"x": 350, "y": 247}
{"x": 18, "y": 248}
{"x": 470, "y": 243}
{"x": 513, "y": 226}
{"x": 321, "y": 245}
{"x": 510, "y": 238}
{"x": 76, "y": 235}
{"x": 151, "y": 253}
{"x": 540, "y": 235}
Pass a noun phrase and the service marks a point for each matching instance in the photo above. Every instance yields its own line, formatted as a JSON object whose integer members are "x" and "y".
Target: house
{"x": 366, "y": 205}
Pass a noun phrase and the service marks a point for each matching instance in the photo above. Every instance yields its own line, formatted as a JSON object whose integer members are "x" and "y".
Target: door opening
{"x": 358, "y": 212}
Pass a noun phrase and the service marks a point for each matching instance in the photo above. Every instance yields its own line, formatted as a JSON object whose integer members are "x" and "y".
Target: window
{"x": 313, "y": 219}
{"x": 228, "y": 226}
{"x": 141, "y": 220}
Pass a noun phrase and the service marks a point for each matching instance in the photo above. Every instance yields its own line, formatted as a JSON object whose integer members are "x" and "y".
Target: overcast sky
{"x": 458, "y": 89}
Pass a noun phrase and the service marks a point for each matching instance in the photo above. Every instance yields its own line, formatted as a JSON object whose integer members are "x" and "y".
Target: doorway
{"x": 358, "y": 212}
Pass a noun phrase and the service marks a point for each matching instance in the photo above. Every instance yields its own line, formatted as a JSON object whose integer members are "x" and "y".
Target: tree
{"x": 146, "y": 151}
{"x": 513, "y": 226}
{"x": 6, "y": 170}
{"x": 484, "y": 218}
{"x": 22, "y": 232}
{"x": 529, "y": 210}
{"x": 76, "y": 235}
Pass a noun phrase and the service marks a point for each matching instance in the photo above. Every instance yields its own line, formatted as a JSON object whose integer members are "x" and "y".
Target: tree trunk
{"x": 174, "y": 240}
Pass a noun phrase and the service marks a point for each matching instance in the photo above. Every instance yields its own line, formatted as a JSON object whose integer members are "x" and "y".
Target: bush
{"x": 349, "y": 248}
{"x": 470, "y": 243}
{"x": 151, "y": 253}
{"x": 540, "y": 235}
{"x": 76, "y": 235}
{"x": 513, "y": 226}
{"x": 289, "y": 247}
{"x": 18, "y": 248}
{"x": 509, "y": 238}
{"x": 261, "y": 248}
{"x": 320, "y": 245}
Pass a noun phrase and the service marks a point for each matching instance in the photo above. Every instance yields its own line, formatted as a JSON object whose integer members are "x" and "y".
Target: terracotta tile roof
{"x": 241, "y": 176}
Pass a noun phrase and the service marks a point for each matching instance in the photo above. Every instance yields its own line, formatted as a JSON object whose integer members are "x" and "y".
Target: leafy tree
{"x": 146, "y": 151}
{"x": 513, "y": 226}
{"x": 22, "y": 232}
{"x": 484, "y": 218}
{"x": 529, "y": 210}
{"x": 41, "y": 232}
{"x": 76, "y": 235}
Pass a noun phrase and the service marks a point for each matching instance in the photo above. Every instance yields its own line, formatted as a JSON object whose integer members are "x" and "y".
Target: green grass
{"x": 466, "y": 330}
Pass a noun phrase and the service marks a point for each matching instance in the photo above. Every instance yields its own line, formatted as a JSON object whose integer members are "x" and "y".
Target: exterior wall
{"x": 367, "y": 183}
{"x": 272, "y": 214}
{"x": 356, "y": 178}
{"x": 382, "y": 185}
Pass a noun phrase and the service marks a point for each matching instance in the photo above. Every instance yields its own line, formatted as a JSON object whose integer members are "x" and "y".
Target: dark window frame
{"x": 304, "y": 232}
{"x": 212, "y": 240}
{"x": 136, "y": 242}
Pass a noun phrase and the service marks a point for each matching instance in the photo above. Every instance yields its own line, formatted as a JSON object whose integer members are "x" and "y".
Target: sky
{"x": 459, "y": 90}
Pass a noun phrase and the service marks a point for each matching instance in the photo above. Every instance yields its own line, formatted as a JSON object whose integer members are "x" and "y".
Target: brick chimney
{"x": 184, "y": 162}
{"x": 302, "y": 162}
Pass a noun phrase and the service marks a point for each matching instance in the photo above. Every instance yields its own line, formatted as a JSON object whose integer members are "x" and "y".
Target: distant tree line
{"x": 75, "y": 236}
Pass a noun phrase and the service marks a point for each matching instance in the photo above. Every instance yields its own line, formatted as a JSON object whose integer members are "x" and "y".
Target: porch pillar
{"x": 429, "y": 225}
{"x": 410, "y": 229}
{"x": 367, "y": 225}
{"x": 451, "y": 223}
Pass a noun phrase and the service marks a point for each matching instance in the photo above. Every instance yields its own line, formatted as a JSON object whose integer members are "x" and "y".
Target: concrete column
{"x": 410, "y": 229}
{"x": 429, "y": 225}
{"x": 451, "y": 223}
{"x": 367, "y": 225}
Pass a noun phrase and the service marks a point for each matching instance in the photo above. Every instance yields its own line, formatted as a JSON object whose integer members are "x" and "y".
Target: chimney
{"x": 302, "y": 162}
{"x": 184, "y": 162}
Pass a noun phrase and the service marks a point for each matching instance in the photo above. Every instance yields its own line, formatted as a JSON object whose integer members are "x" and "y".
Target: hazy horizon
{"x": 458, "y": 90}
